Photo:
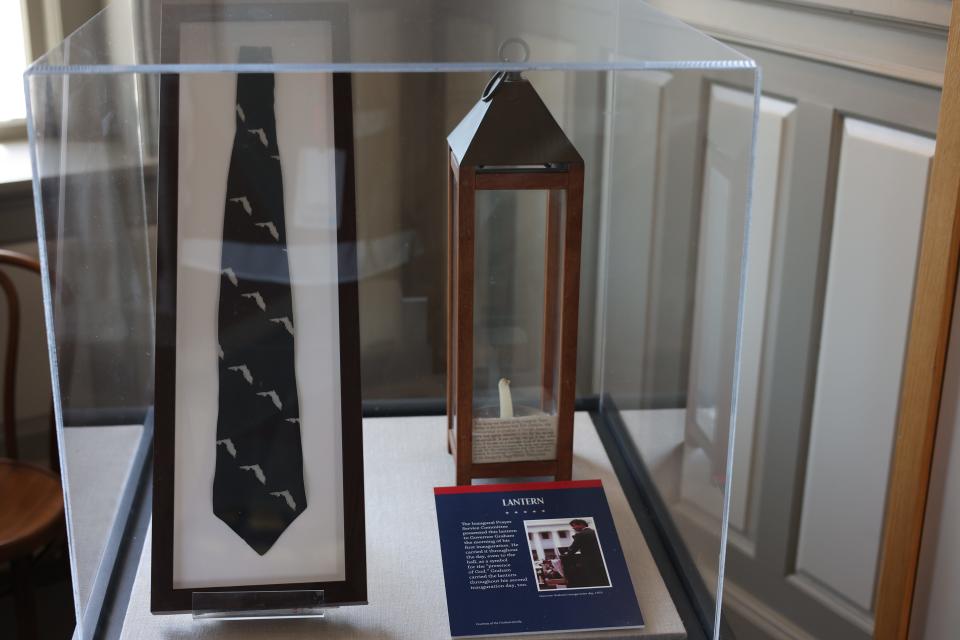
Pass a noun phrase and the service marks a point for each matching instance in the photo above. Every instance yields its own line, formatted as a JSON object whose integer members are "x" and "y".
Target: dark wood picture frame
{"x": 353, "y": 589}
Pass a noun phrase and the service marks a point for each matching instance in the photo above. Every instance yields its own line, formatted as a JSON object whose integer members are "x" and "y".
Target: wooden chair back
{"x": 25, "y": 262}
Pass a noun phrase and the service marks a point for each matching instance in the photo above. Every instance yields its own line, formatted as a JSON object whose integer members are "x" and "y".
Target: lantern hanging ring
{"x": 502, "y": 51}
{"x": 494, "y": 83}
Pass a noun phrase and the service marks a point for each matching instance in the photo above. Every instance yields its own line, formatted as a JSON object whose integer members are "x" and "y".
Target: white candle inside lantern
{"x": 506, "y": 401}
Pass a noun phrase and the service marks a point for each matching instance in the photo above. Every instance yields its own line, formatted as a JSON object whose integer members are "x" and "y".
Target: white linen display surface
{"x": 404, "y": 459}
{"x": 93, "y": 511}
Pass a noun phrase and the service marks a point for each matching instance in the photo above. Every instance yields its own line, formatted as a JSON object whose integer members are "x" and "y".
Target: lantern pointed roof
{"x": 510, "y": 126}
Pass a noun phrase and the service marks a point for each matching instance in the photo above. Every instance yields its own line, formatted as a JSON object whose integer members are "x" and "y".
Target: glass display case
{"x": 663, "y": 120}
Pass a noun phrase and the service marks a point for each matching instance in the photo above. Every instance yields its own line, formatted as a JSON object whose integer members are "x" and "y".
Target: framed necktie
{"x": 258, "y": 473}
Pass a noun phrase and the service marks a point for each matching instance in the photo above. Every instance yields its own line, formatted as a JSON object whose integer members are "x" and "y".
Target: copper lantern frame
{"x": 510, "y": 141}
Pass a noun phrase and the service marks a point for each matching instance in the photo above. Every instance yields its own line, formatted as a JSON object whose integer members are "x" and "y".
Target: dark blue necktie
{"x": 258, "y": 485}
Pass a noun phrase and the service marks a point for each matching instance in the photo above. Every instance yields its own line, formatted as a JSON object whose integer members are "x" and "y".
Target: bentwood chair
{"x": 31, "y": 501}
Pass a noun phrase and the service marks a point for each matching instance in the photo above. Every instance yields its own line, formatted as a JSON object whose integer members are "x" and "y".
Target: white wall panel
{"x": 773, "y": 137}
{"x": 930, "y": 12}
{"x": 728, "y": 108}
{"x": 875, "y": 45}
{"x": 718, "y": 270}
{"x": 631, "y": 195}
{"x": 718, "y": 262}
{"x": 881, "y": 188}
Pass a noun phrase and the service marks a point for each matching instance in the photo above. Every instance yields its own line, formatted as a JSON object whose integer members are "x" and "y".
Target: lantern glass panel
{"x": 516, "y": 321}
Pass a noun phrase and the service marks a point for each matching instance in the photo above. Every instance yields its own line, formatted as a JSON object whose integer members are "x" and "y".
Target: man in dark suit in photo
{"x": 582, "y": 560}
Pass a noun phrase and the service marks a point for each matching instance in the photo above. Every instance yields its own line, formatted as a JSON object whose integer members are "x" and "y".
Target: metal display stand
{"x": 251, "y": 605}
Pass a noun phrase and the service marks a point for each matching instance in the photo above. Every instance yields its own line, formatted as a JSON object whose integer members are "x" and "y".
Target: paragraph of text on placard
{"x": 489, "y": 549}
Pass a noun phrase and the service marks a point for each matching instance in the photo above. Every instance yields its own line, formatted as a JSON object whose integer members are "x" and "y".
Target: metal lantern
{"x": 515, "y": 202}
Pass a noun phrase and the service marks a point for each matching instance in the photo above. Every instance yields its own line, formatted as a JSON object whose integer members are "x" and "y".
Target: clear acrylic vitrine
{"x": 664, "y": 119}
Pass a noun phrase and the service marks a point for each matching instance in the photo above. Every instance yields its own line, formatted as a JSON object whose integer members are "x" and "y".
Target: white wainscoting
{"x": 771, "y": 171}
{"x": 880, "y": 197}
{"x": 926, "y": 12}
{"x": 633, "y": 154}
{"x": 718, "y": 276}
{"x": 728, "y": 108}
{"x": 878, "y": 44}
